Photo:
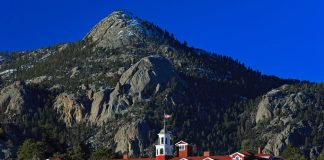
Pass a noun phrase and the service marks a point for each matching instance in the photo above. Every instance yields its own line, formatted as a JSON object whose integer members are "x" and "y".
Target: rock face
{"x": 120, "y": 29}
{"x": 132, "y": 137}
{"x": 69, "y": 108}
{"x": 147, "y": 78}
{"x": 277, "y": 103}
{"x": 12, "y": 100}
{"x": 99, "y": 107}
{"x": 293, "y": 135}
{"x": 139, "y": 83}
{"x": 143, "y": 80}
{"x": 283, "y": 114}
{"x": 16, "y": 100}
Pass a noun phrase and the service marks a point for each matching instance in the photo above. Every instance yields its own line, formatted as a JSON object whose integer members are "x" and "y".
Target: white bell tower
{"x": 164, "y": 149}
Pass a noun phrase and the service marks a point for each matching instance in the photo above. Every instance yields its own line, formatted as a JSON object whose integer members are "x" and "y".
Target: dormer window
{"x": 182, "y": 148}
{"x": 237, "y": 158}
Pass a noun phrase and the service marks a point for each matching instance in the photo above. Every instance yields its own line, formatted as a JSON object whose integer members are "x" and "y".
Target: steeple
{"x": 164, "y": 149}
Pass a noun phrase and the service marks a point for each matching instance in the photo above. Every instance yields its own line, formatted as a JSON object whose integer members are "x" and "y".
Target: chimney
{"x": 206, "y": 154}
{"x": 125, "y": 156}
{"x": 259, "y": 150}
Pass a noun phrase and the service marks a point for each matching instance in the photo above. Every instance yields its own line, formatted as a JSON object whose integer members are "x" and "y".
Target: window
{"x": 162, "y": 140}
{"x": 157, "y": 152}
{"x": 161, "y": 151}
{"x": 182, "y": 147}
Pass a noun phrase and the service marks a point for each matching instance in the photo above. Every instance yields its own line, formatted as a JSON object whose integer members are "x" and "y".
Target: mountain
{"x": 110, "y": 90}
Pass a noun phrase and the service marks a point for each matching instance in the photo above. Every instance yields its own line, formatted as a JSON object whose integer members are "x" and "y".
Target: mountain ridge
{"x": 97, "y": 89}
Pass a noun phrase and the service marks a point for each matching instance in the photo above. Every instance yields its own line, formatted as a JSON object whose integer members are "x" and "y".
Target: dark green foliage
{"x": 102, "y": 153}
{"x": 79, "y": 152}
{"x": 43, "y": 126}
{"x": 321, "y": 156}
{"x": 32, "y": 150}
{"x": 291, "y": 153}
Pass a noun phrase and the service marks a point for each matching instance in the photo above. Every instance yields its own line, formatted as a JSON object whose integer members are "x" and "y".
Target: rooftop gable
{"x": 181, "y": 143}
{"x": 237, "y": 153}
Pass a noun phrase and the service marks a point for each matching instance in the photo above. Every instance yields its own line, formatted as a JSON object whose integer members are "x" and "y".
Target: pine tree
{"x": 31, "y": 150}
{"x": 292, "y": 153}
{"x": 321, "y": 156}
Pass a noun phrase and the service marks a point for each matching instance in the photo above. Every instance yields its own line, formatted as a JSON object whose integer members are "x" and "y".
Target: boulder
{"x": 75, "y": 71}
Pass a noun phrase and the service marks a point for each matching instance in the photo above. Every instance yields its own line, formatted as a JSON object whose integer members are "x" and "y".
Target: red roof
{"x": 263, "y": 155}
{"x": 247, "y": 153}
{"x": 189, "y": 158}
{"x": 136, "y": 159}
{"x": 202, "y": 157}
{"x": 222, "y": 157}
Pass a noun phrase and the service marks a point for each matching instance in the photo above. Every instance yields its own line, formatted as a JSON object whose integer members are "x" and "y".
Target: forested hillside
{"x": 105, "y": 95}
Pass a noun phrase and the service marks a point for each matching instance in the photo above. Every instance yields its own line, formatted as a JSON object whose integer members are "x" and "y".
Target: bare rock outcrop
{"x": 140, "y": 82}
{"x": 12, "y": 99}
{"x": 99, "y": 107}
{"x": 70, "y": 109}
{"x": 132, "y": 137}
{"x": 282, "y": 113}
{"x": 276, "y": 103}
{"x": 39, "y": 79}
{"x": 293, "y": 135}
{"x": 19, "y": 102}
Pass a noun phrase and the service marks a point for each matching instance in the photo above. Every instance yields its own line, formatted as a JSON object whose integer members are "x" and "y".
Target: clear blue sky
{"x": 277, "y": 37}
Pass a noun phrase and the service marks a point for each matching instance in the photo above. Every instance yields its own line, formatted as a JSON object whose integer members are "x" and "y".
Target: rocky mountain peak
{"x": 120, "y": 29}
